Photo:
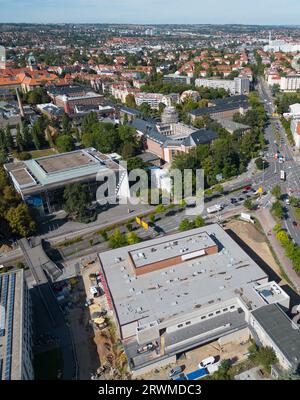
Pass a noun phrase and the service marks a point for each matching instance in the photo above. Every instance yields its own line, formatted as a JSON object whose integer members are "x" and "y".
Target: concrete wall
{"x": 158, "y": 364}
{"x": 236, "y": 337}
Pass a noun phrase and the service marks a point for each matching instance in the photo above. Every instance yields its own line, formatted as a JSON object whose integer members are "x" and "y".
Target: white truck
{"x": 215, "y": 208}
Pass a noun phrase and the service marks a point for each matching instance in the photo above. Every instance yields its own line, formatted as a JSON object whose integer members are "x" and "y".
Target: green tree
{"x": 77, "y": 199}
{"x": 277, "y": 209}
{"x": 19, "y": 140}
{"x": 64, "y": 143}
{"x": 20, "y": 220}
{"x": 276, "y": 191}
{"x": 185, "y": 225}
{"x": 199, "y": 222}
{"x": 132, "y": 238}
{"x": 130, "y": 101}
{"x": 66, "y": 124}
{"x": 248, "y": 204}
{"x": 9, "y": 139}
{"x": 117, "y": 239}
{"x": 27, "y": 137}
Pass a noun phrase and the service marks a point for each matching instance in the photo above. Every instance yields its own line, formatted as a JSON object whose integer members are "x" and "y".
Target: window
{"x": 218, "y": 312}
{"x": 179, "y": 326}
{"x": 203, "y": 317}
{"x": 232, "y": 307}
{"x": 210, "y": 315}
{"x": 188, "y": 323}
{"x": 225, "y": 309}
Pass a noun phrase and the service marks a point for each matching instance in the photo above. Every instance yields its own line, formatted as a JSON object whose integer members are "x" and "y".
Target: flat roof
{"x": 23, "y": 177}
{"x": 184, "y": 246}
{"x": 279, "y": 327}
{"x": 65, "y": 161}
{"x": 11, "y": 329}
{"x": 175, "y": 291}
{"x": 59, "y": 168}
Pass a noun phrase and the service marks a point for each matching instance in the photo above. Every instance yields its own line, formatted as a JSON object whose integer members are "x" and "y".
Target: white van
{"x": 207, "y": 361}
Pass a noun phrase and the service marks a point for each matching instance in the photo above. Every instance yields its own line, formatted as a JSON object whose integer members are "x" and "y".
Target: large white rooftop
{"x": 185, "y": 287}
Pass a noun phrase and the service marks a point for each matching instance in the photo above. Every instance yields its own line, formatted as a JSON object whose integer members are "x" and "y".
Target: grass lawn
{"x": 42, "y": 153}
{"x": 48, "y": 364}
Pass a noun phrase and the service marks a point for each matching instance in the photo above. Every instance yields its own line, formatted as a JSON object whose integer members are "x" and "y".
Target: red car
{"x": 295, "y": 223}
{"x": 247, "y": 188}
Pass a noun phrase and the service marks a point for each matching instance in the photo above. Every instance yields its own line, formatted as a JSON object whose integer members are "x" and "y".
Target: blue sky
{"x": 152, "y": 11}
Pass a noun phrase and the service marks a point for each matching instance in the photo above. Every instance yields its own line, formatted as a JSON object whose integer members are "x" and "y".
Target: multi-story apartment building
{"x": 238, "y": 86}
{"x": 290, "y": 83}
{"x": 175, "y": 78}
{"x": 15, "y": 328}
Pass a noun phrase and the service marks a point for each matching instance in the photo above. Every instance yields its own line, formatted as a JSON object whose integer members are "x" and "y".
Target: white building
{"x": 238, "y": 86}
{"x": 290, "y": 83}
{"x": 187, "y": 289}
{"x": 153, "y": 99}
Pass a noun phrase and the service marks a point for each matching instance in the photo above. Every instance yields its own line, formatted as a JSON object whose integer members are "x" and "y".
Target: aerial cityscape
{"x": 149, "y": 193}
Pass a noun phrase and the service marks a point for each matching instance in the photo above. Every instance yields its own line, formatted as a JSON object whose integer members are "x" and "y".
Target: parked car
{"x": 295, "y": 223}
{"x": 207, "y": 361}
{"x": 176, "y": 370}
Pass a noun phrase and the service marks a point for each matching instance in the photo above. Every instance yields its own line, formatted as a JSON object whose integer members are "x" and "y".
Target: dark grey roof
{"x": 203, "y": 136}
{"x": 147, "y": 156}
{"x": 65, "y": 89}
{"x": 149, "y": 129}
{"x": 128, "y": 110}
{"x": 219, "y": 105}
{"x": 280, "y": 329}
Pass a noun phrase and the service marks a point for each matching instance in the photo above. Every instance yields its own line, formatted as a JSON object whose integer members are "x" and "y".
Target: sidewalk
{"x": 268, "y": 223}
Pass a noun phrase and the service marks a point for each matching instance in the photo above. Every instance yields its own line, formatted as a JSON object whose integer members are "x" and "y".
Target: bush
{"x": 24, "y": 156}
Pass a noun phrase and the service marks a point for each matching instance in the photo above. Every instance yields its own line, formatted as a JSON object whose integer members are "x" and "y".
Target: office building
{"x": 166, "y": 140}
{"x": 15, "y": 328}
{"x": 222, "y": 108}
{"x": 41, "y": 181}
{"x": 182, "y": 291}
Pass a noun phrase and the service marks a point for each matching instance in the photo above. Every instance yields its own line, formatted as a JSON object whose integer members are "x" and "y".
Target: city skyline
{"x": 150, "y": 12}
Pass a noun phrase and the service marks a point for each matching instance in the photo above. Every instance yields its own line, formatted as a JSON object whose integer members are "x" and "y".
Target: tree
{"x": 19, "y": 140}
{"x": 261, "y": 164}
{"x": 199, "y": 222}
{"x": 132, "y": 238}
{"x": 27, "y": 137}
{"x": 20, "y": 220}
{"x": 135, "y": 163}
{"x": 248, "y": 204}
{"x": 130, "y": 101}
{"x": 264, "y": 356}
{"x": 77, "y": 199}
{"x": 185, "y": 225}
{"x": 9, "y": 139}
{"x": 64, "y": 143}
{"x": 117, "y": 239}
{"x": 277, "y": 209}
{"x": 66, "y": 124}
{"x": 276, "y": 191}
{"x": 145, "y": 110}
